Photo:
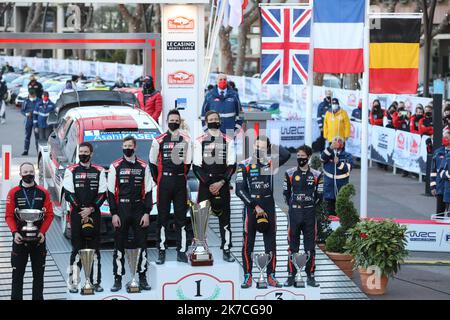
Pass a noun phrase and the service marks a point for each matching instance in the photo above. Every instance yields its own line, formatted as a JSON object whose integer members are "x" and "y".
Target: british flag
{"x": 285, "y": 44}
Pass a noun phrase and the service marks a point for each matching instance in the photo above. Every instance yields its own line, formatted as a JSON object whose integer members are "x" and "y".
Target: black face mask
{"x": 84, "y": 158}
{"x": 29, "y": 178}
{"x": 128, "y": 152}
{"x": 174, "y": 126}
{"x": 428, "y": 114}
{"x": 213, "y": 125}
{"x": 302, "y": 162}
{"x": 329, "y": 99}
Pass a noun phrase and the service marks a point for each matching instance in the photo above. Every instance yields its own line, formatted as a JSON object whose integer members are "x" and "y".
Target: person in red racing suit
{"x": 302, "y": 191}
{"x": 130, "y": 202}
{"x": 85, "y": 189}
{"x": 254, "y": 186}
{"x": 28, "y": 195}
{"x": 170, "y": 161}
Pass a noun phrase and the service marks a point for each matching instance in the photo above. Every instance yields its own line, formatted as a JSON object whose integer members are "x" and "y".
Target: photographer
{"x": 415, "y": 119}
{"x": 426, "y": 123}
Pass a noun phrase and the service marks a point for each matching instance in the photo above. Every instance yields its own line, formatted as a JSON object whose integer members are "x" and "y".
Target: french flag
{"x": 338, "y": 33}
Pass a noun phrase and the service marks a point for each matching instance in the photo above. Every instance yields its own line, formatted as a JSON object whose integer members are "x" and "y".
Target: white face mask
{"x": 334, "y": 107}
{"x": 32, "y": 99}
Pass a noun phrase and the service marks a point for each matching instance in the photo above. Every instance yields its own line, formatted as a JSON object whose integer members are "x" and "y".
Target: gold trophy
{"x": 133, "y": 257}
{"x": 87, "y": 261}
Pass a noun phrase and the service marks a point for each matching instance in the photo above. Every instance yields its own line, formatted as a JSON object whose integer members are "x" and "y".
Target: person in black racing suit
{"x": 85, "y": 189}
{"x": 170, "y": 161}
{"x": 254, "y": 186}
{"x": 302, "y": 191}
{"x": 130, "y": 202}
{"x": 214, "y": 163}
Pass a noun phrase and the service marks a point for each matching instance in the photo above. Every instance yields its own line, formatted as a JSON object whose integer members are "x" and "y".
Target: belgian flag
{"x": 394, "y": 55}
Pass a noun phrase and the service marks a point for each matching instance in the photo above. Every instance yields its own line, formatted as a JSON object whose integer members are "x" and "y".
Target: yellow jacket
{"x": 336, "y": 124}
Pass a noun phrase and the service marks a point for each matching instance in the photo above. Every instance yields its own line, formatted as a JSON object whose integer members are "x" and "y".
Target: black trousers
{"x": 224, "y": 218}
{"x": 79, "y": 242}
{"x": 302, "y": 221}
{"x": 330, "y": 207}
{"x": 130, "y": 217}
{"x": 19, "y": 259}
{"x": 440, "y": 204}
{"x": 172, "y": 189}
{"x": 269, "y": 237}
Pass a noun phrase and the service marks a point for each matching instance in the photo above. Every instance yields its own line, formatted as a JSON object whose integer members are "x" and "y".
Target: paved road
{"x": 389, "y": 196}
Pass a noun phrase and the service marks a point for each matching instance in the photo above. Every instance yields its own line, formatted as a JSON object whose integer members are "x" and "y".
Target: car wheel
{"x": 65, "y": 226}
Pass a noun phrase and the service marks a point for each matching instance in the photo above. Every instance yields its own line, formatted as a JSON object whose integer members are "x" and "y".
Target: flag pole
{"x": 310, "y": 84}
{"x": 365, "y": 116}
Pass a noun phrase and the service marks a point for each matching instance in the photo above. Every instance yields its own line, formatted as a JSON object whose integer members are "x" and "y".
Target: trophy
{"x": 299, "y": 261}
{"x": 199, "y": 254}
{"x": 87, "y": 260}
{"x": 262, "y": 260}
{"x": 29, "y": 232}
{"x": 133, "y": 257}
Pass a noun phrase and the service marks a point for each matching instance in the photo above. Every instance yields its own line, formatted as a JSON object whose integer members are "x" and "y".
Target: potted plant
{"x": 348, "y": 218}
{"x": 323, "y": 223}
{"x": 378, "y": 248}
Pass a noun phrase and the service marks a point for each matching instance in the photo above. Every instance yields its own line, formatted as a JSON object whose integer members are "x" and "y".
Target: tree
{"x": 225, "y": 50}
{"x": 250, "y": 17}
{"x": 134, "y": 25}
{"x": 33, "y": 20}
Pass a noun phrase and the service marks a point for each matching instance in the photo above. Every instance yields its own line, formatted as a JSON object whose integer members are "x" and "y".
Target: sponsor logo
{"x": 180, "y": 45}
{"x": 447, "y": 237}
{"x": 180, "y": 23}
{"x": 352, "y": 131}
{"x": 297, "y": 178}
{"x": 181, "y": 77}
{"x": 414, "y": 235}
{"x": 414, "y": 147}
{"x": 401, "y": 141}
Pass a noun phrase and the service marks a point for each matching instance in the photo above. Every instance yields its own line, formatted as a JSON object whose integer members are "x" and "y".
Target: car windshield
{"x": 108, "y": 144}
{"x": 19, "y": 80}
{"x": 10, "y": 77}
{"x": 55, "y": 87}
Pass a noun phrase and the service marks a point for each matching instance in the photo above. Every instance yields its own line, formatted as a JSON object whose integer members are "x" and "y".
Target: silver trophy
{"x": 133, "y": 257}
{"x": 87, "y": 260}
{"x": 29, "y": 232}
{"x": 262, "y": 260}
{"x": 199, "y": 254}
{"x": 299, "y": 261}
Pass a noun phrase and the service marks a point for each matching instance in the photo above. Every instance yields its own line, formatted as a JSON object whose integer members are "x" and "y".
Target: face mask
{"x": 445, "y": 142}
{"x": 173, "y": 126}
{"x": 84, "y": 158}
{"x": 335, "y": 107}
{"x": 222, "y": 84}
{"x": 213, "y": 125}
{"x": 45, "y": 99}
{"x": 260, "y": 153}
{"x": 328, "y": 98}
{"x": 428, "y": 114}
{"x": 32, "y": 99}
{"x": 29, "y": 178}
{"x": 302, "y": 162}
{"x": 128, "y": 152}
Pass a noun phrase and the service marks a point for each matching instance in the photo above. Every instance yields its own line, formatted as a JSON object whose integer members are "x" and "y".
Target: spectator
{"x": 81, "y": 76}
{"x": 7, "y": 68}
{"x": 414, "y": 121}
{"x": 36, "y": 85}
{"x": 28, "y": 107}
{"x": 336, "y": 122}
{"x": 27, "y": 69}
{"x": 3, "y": 94}
{"x": 44, "y": 108}
{"x": 150, "y": 98}
{"x": 403, "y": 119}
{"x": 376, "y": 114}
{"x": 233, "y": 85}
{"x": 426, "y": 123}
{"x": 225, "y": 101}
{"x": 446, "y": 117}
{"x": 68, "y": 87}
{"x": 356, "y": 113}
{"x": 119, "y": 83}
{"x": 438, "y": 166}
{"x": 322, "y": 109}
{"x": 337, "y": 165}
{"x": 391, "y": 118}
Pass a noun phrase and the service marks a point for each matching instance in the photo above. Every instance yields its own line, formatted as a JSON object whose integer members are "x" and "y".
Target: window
{"x": 70, "y": 146}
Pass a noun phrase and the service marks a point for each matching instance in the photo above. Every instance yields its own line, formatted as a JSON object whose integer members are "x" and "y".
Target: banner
{"x": 382, "y": 144}
{"x": 353, "y": 143}
{"x": 407, "y": 151}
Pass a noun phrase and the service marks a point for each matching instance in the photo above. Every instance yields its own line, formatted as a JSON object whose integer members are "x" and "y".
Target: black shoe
{"x": 181, "y": 257}
{"x": 98, "y": 288}
{"x": 117, "y": 284}
{"x": 227, "y": 256}
{"x": 25, "y": 153}
{"x": 289, "y": 281}
{"x": 143, "y": 284}
{"x": 161, "y": 257}
{"x": 311, "y": 282}
{"x": 248, "y": 281}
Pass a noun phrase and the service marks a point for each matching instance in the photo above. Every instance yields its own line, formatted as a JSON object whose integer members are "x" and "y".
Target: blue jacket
{"x": 322, "y": 109}
{"x": 342, "y": 169}
{"x": 40, "y": 114}
{"x": 27, "y": 110}
{"x": 228, "y": 107}
{"x": 438, "y": 168}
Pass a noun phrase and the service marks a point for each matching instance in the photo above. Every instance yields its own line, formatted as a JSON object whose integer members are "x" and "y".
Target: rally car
{"x": 102, "y": 118}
